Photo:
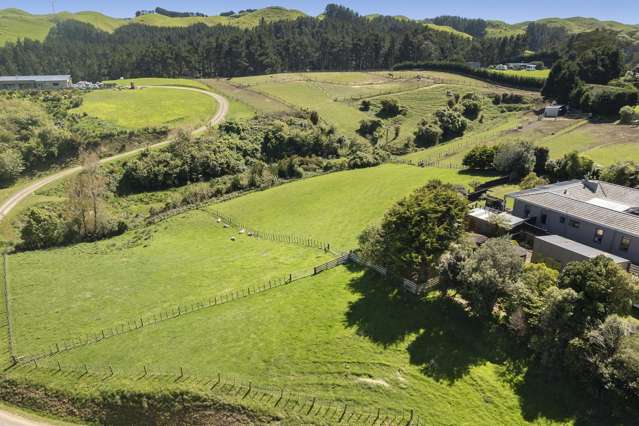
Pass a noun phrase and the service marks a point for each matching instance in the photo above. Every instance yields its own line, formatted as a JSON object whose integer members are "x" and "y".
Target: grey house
{"x": 44, "y": 82}
{"x": 598, "y": 214}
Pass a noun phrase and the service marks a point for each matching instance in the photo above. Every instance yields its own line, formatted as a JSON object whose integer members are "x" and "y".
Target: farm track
{"x": 19, "y": 196}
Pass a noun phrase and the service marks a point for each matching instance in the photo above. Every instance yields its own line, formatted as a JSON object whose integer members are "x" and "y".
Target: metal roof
{"x": 591, "y": 201}
{"x": 42, "y": 78}
{"x": 485, "y": 215}
{"x": 581, "y": 249}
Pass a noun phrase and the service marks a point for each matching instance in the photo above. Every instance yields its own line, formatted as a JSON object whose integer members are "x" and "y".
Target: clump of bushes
{"x": 481, "y": 157}
{"x": 390, "y": 108}
{"x": 628, "y": 114}
{"x": 427, "y": 134}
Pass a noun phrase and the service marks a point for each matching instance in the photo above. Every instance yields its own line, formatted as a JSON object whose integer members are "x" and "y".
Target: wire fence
{"x": 179, "y": 311}
{"x": 7, "y": 307}
{"x": 234, "y": 388}
{"x": 272, "y": 236}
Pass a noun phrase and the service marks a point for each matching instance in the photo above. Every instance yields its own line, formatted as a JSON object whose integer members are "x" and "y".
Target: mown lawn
{"x": 524, "y": 73}
{"x": 149, "y": 107}
{"x": 335, "y": 207}
{"x": 180, "y": 261}
{"x": 345, "y": 337}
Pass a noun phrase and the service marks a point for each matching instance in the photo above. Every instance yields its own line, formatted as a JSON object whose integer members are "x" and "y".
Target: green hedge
{"x": 607, "y": 100}
{"x": 534, "y": 83}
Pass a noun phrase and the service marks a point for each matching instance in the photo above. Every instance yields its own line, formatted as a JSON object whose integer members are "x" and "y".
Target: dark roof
{"x": 41, "y": 78}
{"x": 581, "y": 249}
{"x": 592, "y": 201}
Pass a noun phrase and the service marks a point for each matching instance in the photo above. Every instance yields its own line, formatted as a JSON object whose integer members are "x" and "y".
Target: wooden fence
{"x": 283, "y": 238}
{"x": 406, "y": 284}
{"x": 179, "y": 311}
{"x": 233, "y": 388}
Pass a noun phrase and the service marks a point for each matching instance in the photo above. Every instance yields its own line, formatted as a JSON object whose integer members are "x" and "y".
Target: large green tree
{"x": 417, "y": 231}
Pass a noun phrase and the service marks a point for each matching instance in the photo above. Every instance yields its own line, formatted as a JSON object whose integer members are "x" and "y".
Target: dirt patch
{"x": 373, "y": 382}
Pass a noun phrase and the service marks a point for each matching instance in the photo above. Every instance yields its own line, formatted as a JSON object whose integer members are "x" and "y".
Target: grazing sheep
{"x": 219, "y": 220}
{"x": 242, "y": 231}
{"x": 232, "y": 238}
{"x": 226, "y": 225}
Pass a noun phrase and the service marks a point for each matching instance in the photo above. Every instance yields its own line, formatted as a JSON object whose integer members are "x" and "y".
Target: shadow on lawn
{"x": 447, "y": 344}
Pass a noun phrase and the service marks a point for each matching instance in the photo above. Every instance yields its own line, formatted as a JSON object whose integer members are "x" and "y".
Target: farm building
{"x": 486, "y": 221}
{"x": 522, "y": 66}
{"x": 501, "y": 67}
{"x": 558, "y": 251}
{"x": 553, "y": 111}
{"x": 35, "y": 82}
{"x": 597, "y": 214}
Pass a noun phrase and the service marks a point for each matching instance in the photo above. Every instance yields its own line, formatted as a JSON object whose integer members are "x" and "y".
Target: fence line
{"x": 7, "y": 307}
{"x": 283, "y": 238}
{"x": 406, "y": 284}
{"x": 131, "y": 325}
{"x": 229, "y": 386}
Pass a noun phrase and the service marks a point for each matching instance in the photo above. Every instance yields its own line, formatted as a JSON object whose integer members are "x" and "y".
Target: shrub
{"x": 369, "y": 128}
{"x": 451, "y": 122}
{"x": 480, "y": 157}
{"x": 516, "y": 159}
{"x": 624, "y": 173}
{"x": 365, "y": 105}
{"x": 571, "y": 166}
{"x": 472, "y": 108}
{"x": 627, "y": 114}
{"x": 11, "y": 165}
{"x": 42, "y": 228}
{"x": 390, "y": 108}
{"x": 607, "y": 100}
{"x": 427, "y": 134}
{"x": 532, "y": 181}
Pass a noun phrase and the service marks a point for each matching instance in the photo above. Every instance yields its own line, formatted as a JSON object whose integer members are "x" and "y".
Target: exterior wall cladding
{"x": 579, "y": 230}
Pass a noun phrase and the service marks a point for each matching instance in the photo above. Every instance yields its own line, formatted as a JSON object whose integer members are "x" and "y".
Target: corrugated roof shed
{"x": 42, "y": 78}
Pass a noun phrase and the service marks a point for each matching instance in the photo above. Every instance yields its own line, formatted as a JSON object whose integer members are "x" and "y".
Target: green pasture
{"x": 149, "y": 107}
{"x": 524, "y": 73}
{"x": 183, "y": 260}
{"x": 245, "y": 102}
{"x": 345, "y": 337}
{"x": 335, "y": 207}
{"x": 158, "y": 81}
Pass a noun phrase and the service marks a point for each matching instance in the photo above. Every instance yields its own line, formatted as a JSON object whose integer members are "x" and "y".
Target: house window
{"x": 624, "y": 245}
{"x": 544, "y": 218}
{"x": 574, "y": 224}
{"x": 599, "y": 234}
{"x": 562, "y": 219}
{"x": 527, "y": 211}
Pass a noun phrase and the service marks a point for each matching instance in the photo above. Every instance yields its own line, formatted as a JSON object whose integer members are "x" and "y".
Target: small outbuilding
{"x": 486, "y": 221}
{"x": 554, "y": 111}
{"x": 557, "y": 251}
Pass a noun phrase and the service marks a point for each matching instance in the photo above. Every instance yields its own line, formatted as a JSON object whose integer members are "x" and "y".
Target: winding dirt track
{"x": 19, "y": 196}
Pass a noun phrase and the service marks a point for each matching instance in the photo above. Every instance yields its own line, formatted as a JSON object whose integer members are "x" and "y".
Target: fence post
{"x": 7, "y": 308}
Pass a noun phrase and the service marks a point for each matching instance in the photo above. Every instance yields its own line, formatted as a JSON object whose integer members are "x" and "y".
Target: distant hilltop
{"x": 17, "y": 24}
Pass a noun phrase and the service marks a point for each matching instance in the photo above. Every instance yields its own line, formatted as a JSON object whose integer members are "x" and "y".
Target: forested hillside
{"x": 340, "y": 40}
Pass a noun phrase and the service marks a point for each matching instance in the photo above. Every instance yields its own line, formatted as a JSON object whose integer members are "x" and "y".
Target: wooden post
{"x": 7, "y": 309}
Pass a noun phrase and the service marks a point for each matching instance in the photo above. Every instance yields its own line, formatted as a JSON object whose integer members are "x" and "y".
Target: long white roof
{"x": 35, "y": 78}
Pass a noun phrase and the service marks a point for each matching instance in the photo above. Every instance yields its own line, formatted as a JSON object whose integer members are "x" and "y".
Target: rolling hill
{"x": 572, "y": 25}
{"x": 17, "y": 24}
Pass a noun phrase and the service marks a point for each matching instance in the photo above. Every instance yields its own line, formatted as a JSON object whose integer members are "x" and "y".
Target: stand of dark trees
{"x": 341, "y": 41}
{"x": 473, "y": 27}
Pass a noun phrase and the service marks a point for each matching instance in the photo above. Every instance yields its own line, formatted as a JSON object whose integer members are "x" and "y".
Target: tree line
{"x": 342, "y": 40}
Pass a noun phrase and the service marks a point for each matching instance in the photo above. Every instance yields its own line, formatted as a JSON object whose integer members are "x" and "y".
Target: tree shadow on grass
{"x": 448, "y": 344}
{"x": 383, "y": 314}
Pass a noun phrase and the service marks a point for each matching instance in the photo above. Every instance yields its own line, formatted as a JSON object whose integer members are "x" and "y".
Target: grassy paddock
{"x": 343, "y": 336}
{"x": 149, "y": 107}
{"x": 335, "y": 207}
{"x": 183, "y": 260}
